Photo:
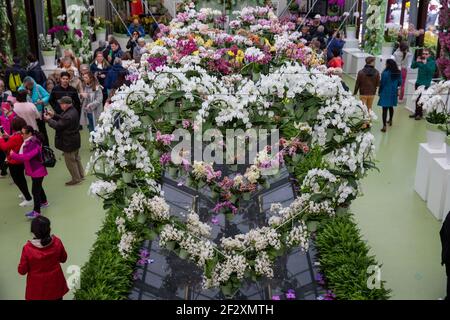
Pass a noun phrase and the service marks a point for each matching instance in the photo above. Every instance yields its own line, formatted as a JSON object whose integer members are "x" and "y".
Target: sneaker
{"x": 32, "y": 215}
{"x": 21, "y": 197}
{"x": 73, "y": 183}
{"x": 45, "y": 205}
{"x": 26, "y": 203}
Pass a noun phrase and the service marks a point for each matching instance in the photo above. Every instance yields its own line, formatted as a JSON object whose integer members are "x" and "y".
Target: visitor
{"x": 64, "y": 90}
{"x": 390, "y": 84}
{"x": 320, "y": 36}
{"x": 39, "y": 97}
{"x": 445, "y": 257}
{"x": 335, "y": 43}
{"x": 100, "y": 68}
{"x": 427, "y": 67}
{"x": 67, "y": 138}
{"x": 5, "y": 95}
{"x": 68, "y": 53}
{"x": 121, "y": 80}
{"x": 40, "y": 261}
{"x": 132, "y": 42}
{"x": 91, "y": 101}
{"x": 30, "y": 154}
{"x": 6, "y": 117}
{"x": 115, "y": 51}
{"x": 13, "y": 143}
{"x": 367, "y": 82}
{"x": 136, "y": 26}
{"x": 336, "y": 61}
{"x": 139, "y": 50}
{"x": 306, "y": 35}
{"x": 316, "y": 23}
{"x": 14, "y": 76}
{"x": 67, "y": 66}
{"x": 50, "y": 84}
{"x": 27, "y": 110}
{"x": 102, "y": 48}
{"x": 114, "y": 73}
{"x": 84, "y": 68}
{"x": 108, "y": 46}
{"x": 34, "y": 70}
{"x": 402, "y": 57}
{"x": 75, "y": 81}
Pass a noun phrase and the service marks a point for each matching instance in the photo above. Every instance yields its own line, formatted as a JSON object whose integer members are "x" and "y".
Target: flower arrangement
{"x": 373, "y": 38}
{"x": 46, "y": 43}
{"x": 61, "y": 33}
{"x": 184, "y": 91}
{"x": 392, "y": 31}
{"x": 434, "y": 101}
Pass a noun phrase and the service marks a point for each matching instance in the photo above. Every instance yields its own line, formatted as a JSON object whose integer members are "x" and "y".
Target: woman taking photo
{"x": 16, "y": 168}
{"x": 31, "y": 156}
{"x": 391, "y": 81}
{"x": 91, "y": 101}
{"x": 100, "y": 68}
{"x": 41, "y": 261}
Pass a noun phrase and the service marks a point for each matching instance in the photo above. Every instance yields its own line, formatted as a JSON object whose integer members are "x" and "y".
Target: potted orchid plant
{"x": 48, "y": 49}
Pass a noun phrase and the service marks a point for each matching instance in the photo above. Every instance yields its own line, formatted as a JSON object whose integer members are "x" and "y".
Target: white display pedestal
{"x": 351, "y": 44}
{"x": 347, "y": 57}
{"x": 358, "y": 61}
{"x": 424, "y": 159}
{"x": 439, "y": 190}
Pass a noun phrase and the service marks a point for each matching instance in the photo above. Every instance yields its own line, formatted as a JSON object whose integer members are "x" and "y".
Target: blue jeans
{"x": 91, "y": 124}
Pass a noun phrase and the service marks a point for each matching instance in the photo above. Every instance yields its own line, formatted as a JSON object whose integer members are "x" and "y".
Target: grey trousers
{"x": 73, "y": 164}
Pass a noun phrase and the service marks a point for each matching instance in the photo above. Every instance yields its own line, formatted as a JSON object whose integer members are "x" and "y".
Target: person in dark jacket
{"x": 136, "y": 26}
{"x": 391, "y": 81}
{"x": 34, "y": 70}
{"x": 67, "y": 138}
{"x": 115, "y": 52}
{"x": 427, "y": 67}
{"x": 367, "y": 82}
{"x": 15, "y": 70}
{"x": 335, "y": 43}
{"x": 132, "y": 42}
{"x": 103, "y": 48}
{"x": 445, "y": 241}
{"x": 100, "y": 68}
{"x": 63, "y": 90}
{"x": 40, "y": 261}
{"x": 114, "y": 73}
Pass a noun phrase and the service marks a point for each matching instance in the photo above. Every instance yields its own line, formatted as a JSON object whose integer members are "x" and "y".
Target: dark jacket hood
{"x": 370, "y": 70}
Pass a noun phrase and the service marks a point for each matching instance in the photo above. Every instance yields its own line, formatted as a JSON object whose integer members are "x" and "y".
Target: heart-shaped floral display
{"x": 199, "y": 79}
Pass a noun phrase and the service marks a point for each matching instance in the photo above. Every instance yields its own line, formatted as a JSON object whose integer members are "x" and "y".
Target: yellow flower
{"x": 195, "y": 53}
{"x": 230, "y": 53}
{"x": 209, "y": 43}
{"x": 199, "y": 40}
{"x": 159, "y": 42}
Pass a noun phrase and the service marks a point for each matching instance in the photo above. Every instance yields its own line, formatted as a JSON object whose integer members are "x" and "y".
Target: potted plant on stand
{"x": 61, "y": 33}
{"x": 48, "y": 49}
{"x": 434, "y": 101}
{"x": 100, "y": 25}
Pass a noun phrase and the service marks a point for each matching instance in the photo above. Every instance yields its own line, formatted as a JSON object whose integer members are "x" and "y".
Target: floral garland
{"x": 131, "y": 134}
{"x": 373, "y": 38}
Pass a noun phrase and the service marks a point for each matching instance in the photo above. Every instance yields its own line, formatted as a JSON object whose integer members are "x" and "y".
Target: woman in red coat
{"x": 41, "y": 258}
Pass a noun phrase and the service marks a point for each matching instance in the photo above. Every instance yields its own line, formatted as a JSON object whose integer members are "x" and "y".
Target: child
{"x": 41, "y": 258}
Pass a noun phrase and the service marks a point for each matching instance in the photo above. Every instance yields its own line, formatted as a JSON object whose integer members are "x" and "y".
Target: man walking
{"x": 367, "y": 82}
{"x": 427, "y": 67}
{"x": 67, "y": 137}
{"x": 64, "y": 89}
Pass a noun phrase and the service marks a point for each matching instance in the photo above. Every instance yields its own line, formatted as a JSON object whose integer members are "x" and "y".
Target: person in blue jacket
{"x": 391, "y": 81}
{"x": 335, "y": 43}
{"x": 40, "y": 97}
{"x": 136, "y": 26}
{"x": 113, "y": 74}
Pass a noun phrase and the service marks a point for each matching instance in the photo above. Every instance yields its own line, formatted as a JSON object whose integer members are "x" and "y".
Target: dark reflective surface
{"x": 169, "y": 277}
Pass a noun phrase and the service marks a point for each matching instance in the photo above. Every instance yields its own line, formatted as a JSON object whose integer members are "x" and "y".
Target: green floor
{"x": 395, "y": 221}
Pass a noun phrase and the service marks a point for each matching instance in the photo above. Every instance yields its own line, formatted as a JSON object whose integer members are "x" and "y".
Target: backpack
{"x": 14, "y": 81}
{"x": 48, "y": 157}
